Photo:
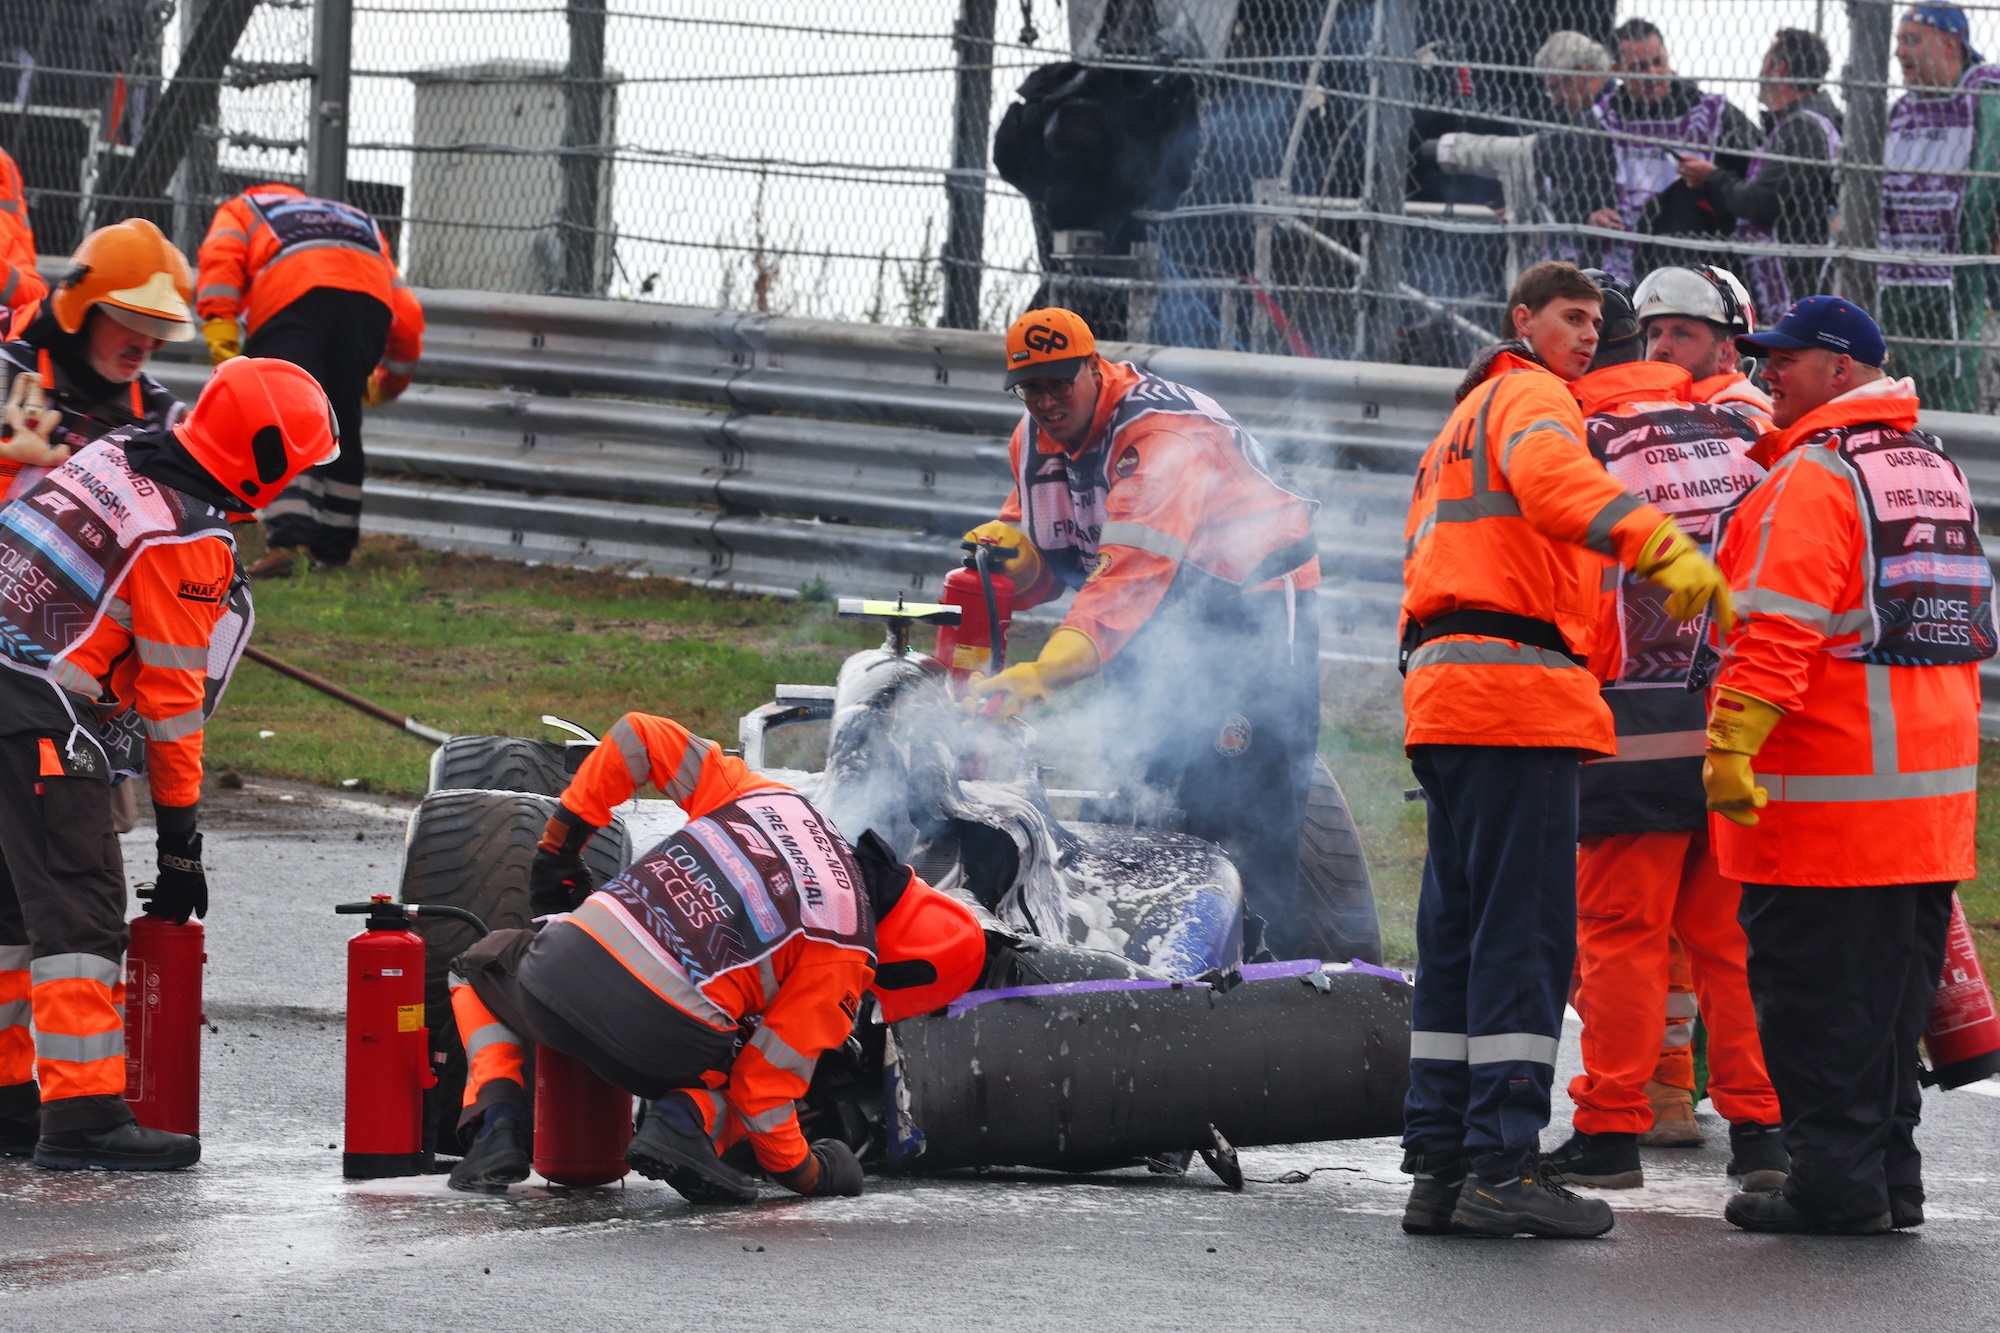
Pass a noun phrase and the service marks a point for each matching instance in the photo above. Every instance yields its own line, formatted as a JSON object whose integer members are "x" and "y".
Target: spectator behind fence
{"x": 1782, "y": 201}
{"x": 1939, "y": 130}
{"x": 1652, "y": 105}
{"x": 1556, "y": 174}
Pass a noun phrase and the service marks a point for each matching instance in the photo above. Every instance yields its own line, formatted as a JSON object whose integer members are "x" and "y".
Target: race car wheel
{"x": 1337, "y": 918}
{"x": 471, "y": 849}
{"x": 500, "y": 763}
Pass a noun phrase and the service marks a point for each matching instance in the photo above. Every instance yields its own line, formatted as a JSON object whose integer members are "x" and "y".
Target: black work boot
{"x": 126, "y": 1147}
{"x": 1608, "y": 1161}
{"x": 1528, "y": 1201}
{"x": 1770, "y": 1210}
{"x": 20, "y": 1120}
{"x": 1757, "y": 1156}
{"x": 1906, "y": 1209}
{"x": 497, "y": 1158}
{"x": 1438, "y": 1175}
{"x": 672, "y": 1145}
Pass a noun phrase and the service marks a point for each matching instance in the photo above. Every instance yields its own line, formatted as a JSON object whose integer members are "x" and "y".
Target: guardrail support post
{"x": 583, "y": 134}
{"x": 1391, "y": 89}
{"x": 326, "y": 135}
{"x": 1870, "y": 26}
{"x": 965, "y": 188}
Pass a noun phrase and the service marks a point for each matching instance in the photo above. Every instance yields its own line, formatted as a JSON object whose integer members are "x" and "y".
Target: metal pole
{"x": 1391, "y": 92}
{"x": 194, "y": 182}
{"x": 965, "y": 189}
{"x": 326, "y": 138}
{"x": 1870, "y": 24}
{"x": 583, "y": 135}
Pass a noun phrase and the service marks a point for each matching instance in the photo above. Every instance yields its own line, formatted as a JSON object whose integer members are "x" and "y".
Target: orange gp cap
{"x": 1048, "y": 344}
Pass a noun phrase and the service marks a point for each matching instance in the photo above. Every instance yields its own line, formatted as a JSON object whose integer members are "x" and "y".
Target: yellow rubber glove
{"x": 28, "y": 423}
{"x": 1671, "y": 559}
{"x": 1068, "y": 657}
{"x": 225, "y": 340}
{"x": 1025, "y": 565}
{"x": 1738, "y": 726}
{"x": 383, "y": 388}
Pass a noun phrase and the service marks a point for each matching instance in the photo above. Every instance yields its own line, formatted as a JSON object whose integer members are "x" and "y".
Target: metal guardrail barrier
{"x": 769, "y": 454}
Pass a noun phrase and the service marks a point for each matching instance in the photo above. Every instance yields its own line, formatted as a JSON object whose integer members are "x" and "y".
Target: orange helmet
{"x": 259, "y": 423}
{"x": 929, "y": 950}
{"x": 134, "y": 272}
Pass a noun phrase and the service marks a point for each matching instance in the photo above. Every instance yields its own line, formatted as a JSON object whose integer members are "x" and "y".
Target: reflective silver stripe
{"x": 75, "y": 967}
{"x": 689, "y": 773}
{"x": 74, "y": 678}
{"x": 340, "y": 490}
{"x": 1873, "y": 787}
{"x": 399, "y": 367}
{"x": 767, "y": 977}
{"x": 119, "y": 612}
{"x": 1682, "y": 1004}
{"x": 718, "y": 1107}
{"x": 1438, "y": 1046}
{"x": 15, "y": 957}
{"x": 637, "y": 762}
{"x": 1677, "y": 1036}
{"x": 1501, "y": 1047}
{"x": 12, "y": 285}
{"x": 80, "y": 1050}
{"x": 1142, "y": 538}
{"x": 1546, "y": 423}
{"x": 1489, "y": 652}
{"x": 781, "y": 1055}
{"x": 220, "y": 290}
{"x": 11, "y": 204}
{"x": 612, "y": 932}
{"x": 454, "y": 981}
{"x": 491, "y": 1034}
{"x": 1598, "y": 535}
{"x": 14, "y": 1014}
{"x": 223, "y": 229}
{"x": 172, "y": 728}
{"x": 1770, "y": 602}
{"x": 1658, "y": 745}
{"x": 1881, "y": 718}
{"x": 1486, "y": 504}
{"x": 180, "y": 655}
{"x": 1612, "y": 576}
{"x": 775, "y": 1118}
{"x": 328, "y": 243}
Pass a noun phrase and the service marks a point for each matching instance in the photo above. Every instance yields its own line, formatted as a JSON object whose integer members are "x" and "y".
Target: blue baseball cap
{"x": 1947, "y": 18}
{"x": 1822, "y": 321}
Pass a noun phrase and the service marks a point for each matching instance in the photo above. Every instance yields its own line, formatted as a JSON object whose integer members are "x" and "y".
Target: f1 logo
{"x": 1042, "y": 338}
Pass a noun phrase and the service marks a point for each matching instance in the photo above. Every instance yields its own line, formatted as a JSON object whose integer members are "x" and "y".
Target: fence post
{"x": 1391, "y": 91}
{"x": 194, "y": 183}
{"x": 965, "y": 188}
{"x": 1870, "y": 25}
{"x": 583, "y": 134}
{"x": 326, "y": 135}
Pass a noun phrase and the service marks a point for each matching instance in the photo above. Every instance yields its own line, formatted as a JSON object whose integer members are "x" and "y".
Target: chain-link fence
{"x": 1333, "y": 178}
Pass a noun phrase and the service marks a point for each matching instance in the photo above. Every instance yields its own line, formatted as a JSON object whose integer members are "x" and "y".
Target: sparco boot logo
{"x": 1042, "y": 338}
{"x": 1234, "y": 738}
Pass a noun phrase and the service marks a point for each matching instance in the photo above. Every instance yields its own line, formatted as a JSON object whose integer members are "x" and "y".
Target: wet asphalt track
{"x": 265, "y": 1231}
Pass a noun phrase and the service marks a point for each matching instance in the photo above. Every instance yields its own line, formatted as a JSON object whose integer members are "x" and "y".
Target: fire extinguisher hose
{"x": 982, "y": 558}
{"x": 352, "y": 700}
{"x": 384, "y": 908}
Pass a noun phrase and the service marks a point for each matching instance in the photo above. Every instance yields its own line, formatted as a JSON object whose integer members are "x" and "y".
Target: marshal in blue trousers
{"x": 1496, "y": 939}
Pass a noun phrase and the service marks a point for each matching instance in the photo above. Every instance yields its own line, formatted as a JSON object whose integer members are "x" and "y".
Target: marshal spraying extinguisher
{"x": 1962, "y": 1037}
{"x": 163, "y": 1022}
{"x": 985, "y": 598}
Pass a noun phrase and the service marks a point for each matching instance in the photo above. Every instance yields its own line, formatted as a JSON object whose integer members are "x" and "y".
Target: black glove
{"x": 1427, "y": 153}
{"x": 181, "y": 887}
{"x": 830, "y": 1168}
{"x": 558, "y": 881}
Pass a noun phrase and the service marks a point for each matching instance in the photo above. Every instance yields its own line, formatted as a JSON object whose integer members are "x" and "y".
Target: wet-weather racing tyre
{"x": 502, "y": 763}
{"x": 1336, "y": 905}
{"x": 471, "y": 849}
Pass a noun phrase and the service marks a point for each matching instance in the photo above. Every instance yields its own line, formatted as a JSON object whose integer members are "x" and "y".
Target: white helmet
{"x": 1707, "y": 293}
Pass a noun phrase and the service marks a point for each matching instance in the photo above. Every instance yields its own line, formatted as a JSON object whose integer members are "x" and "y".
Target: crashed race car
{"x": 1117, "y": 1020}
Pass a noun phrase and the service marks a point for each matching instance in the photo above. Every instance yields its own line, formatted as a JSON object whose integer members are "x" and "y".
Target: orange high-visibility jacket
{"x": 1174, "y": 483}
{"x": 1873, "y": 771}
{"x": 1732, "y": 389}
{"x": 21, "y": 287}
{"x": 248, "y": 272}
{"x": 805, "y": 992}
{"x": 1512, "y": 514}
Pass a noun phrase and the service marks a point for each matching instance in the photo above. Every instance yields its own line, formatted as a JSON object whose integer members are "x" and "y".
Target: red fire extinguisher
{"x": 163, "y": 1023}
{"x": 985, "y": 599}
{"x": 1963, "y": 1035}
{"x": 388, "y": 1050}
{"x": 582, "y": 1124}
